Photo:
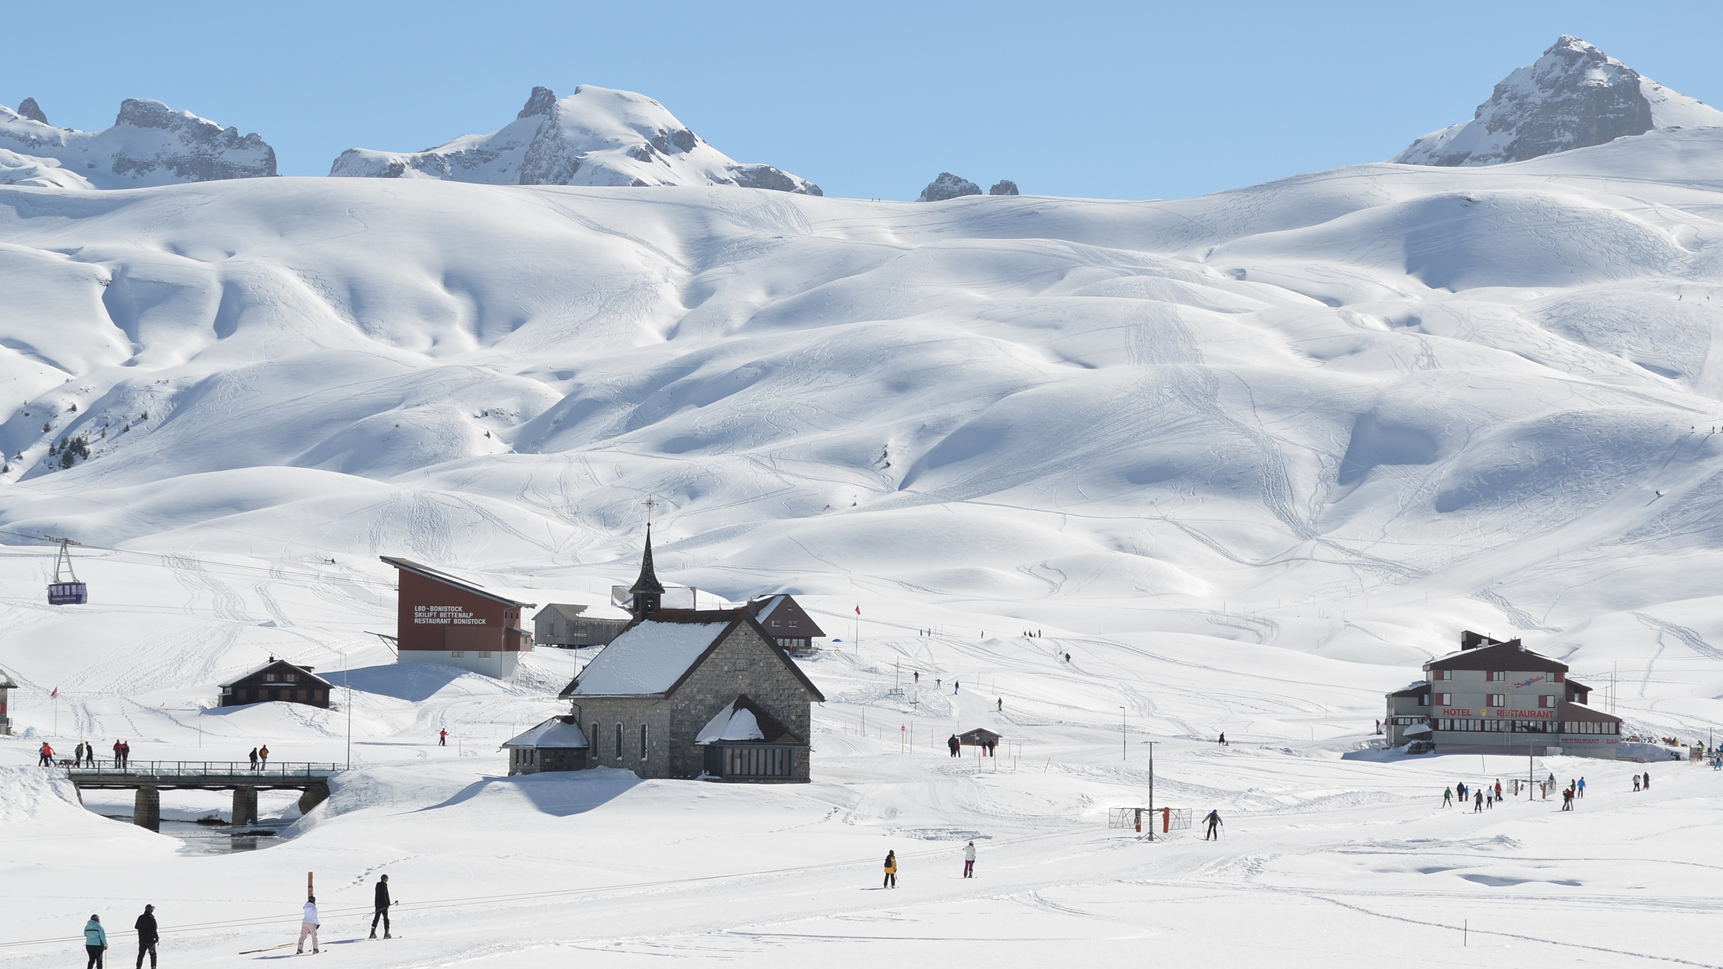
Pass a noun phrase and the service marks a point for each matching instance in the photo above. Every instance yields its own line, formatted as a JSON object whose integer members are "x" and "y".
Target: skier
{"x": 1477, "y": 802}
{"x": 147, "y": 936}
{"x": 1213, "y": 820}
{"x": 1001, "y": 706}
{"x": 442, "y": 738}
{"x": 90, "y": 754}
{"x": 917, "y": 676}
{"x": 969, "y": 860}
{"x": 263, "y": 756}
{"x": 78, "y": 754}
{"x": 1447, "y": 797}
{"x": 1489, "y": 798}
{"x": 890, "y": 870}
{"x": 95, "y": 940}
{"x": 382, "y": 908}
{"x": 1498, "y": 788}
{"x": 954, "y": 745}
{"x": 253, "y": 758}
{"x": 1223, "y": 738}
{"x": 1462, "y": 789}
{"x": 955, "y": 686}
{"x": 1647, "y": 780}
{"x": 45, "y": 756}
{"x": 1636, "y": 782}
{"x": 1580, "y": 791}
{"x": 309, "y": 926}
{"x": 1567, "y": 799}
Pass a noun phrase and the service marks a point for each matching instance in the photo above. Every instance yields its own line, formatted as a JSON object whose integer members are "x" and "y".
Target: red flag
{"x": 55, "y": 693}
{"x": 858, "y": 610}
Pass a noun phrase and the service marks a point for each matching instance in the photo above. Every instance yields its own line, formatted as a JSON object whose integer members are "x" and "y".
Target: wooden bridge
{"x": 149, "y": 778}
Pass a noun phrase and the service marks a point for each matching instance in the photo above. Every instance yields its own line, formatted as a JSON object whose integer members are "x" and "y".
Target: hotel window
{"x": 457, "y": 654}
{"x": 290, "y": 677}
{"x": 1447, "y": 699}
{"x": 1498, "y": 676}
{"x": 792, "y": 624}
{"x": 1546, "y": 702}
{"x": 1497, "y": 700}
{"x": 1444, "y": 675}
{"x": 484, "y": 654}
{"x": 643, "y": 747}
{"x": 269, "y": 677}
{"x": 775, "y": 624}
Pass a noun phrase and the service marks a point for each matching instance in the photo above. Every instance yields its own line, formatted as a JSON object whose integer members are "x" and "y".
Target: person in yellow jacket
{"x": 890, "y": 870}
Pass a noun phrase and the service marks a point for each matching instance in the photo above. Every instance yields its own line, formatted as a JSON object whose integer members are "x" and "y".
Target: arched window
{"x": 619, "y": 741}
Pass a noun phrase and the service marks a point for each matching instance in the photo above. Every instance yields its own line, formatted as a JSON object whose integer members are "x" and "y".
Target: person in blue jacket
{"x": 95, "y": 940}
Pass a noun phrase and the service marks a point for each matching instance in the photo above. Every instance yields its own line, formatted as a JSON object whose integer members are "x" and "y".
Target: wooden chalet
{"x": 278, "y": 681}
{"x": 563, "y": 624}
{"x": 786, "y": 621}
{"x": 6, "y": 688}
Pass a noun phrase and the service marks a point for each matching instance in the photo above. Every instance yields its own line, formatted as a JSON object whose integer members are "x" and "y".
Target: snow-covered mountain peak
{"x": 595, "y": 136}
{"x": 149, "y": 144}
{"x": 1574, "y": 96}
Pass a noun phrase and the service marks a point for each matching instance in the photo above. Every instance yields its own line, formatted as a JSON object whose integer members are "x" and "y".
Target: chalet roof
{"x": 6, "y": 682}
{"x": 1576, "y": 711}
{"x": 763, "y": 610}
{"x": 979, "y": 735}
{"x": 272, "y": 664}
{"x": 654, "y": 655}
{"x": 1508, "y": 656}
{"x": 560, "y": 733}
{"x": 743, "y": 720}
{"x": 426, "y": 572}
{"x": 648, "y": 581}
{"x": 566, "y": 610}
{"x": 1415, "y": 690}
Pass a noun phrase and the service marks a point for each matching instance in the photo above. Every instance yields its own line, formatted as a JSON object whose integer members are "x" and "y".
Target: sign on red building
{"x": 442, "y": 619}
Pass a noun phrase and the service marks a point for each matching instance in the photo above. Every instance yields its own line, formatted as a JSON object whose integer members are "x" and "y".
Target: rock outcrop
{"x": 1574, "y": 96}
{"x": 1004, "y": 186}
{"x": 596, "y": 136}
{"x": 948, "y": 186}
{"x": 149, "y": 144}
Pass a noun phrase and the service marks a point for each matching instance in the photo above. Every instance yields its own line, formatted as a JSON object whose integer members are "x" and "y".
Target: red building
{"x": 442, "y": 619}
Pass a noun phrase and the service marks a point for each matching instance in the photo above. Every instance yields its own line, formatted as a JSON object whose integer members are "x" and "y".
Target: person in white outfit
{"x": 309, "y": 926}
{"x": 969, "y": 860}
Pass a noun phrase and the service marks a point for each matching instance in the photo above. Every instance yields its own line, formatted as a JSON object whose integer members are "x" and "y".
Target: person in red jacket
{"x": 47, "y": 754}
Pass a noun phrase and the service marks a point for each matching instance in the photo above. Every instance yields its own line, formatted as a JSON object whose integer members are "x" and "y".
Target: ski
{"x": 268, "y": 948}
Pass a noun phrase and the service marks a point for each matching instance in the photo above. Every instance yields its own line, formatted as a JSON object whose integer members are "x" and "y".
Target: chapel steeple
{"x": 648, "y": 592}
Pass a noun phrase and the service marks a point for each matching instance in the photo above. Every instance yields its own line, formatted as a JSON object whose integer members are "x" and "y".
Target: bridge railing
{"x": 205, "y": 768}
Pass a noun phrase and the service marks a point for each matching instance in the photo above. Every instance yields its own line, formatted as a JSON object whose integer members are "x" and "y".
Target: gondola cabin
{"x": 67, "y": 594}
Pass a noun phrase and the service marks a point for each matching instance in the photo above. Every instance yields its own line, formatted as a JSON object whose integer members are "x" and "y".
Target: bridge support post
{"x": 315, "y": 793}
{"x": 244, "y": 806}
{"x": 147, "y": 808}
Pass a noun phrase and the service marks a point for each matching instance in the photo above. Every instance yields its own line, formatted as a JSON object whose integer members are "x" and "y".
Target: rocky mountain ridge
{"x": 596, "y": 136}
{"x": 1574, "y": 96}
{"x": 149, "y": 144}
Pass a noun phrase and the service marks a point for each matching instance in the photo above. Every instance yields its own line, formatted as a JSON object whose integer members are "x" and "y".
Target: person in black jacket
{"x": 147, "y": 936}
{"x": 382, "y": 911}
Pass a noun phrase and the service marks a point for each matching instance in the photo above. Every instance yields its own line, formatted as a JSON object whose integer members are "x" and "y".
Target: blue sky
{"x": 1114, "y": 100}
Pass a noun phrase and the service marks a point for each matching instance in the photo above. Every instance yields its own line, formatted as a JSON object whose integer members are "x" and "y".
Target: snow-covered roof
{"x": 566, "y": 610}
{"x": 647, "y": 658}
{"x": 558, "y": 732}
{"x": 731, "y": 724}
{"x": 273, "y": 662}
{"x": 766, "y": 610}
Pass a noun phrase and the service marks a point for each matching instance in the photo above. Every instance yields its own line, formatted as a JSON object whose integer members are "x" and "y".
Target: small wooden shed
{"x": 980, "y": 737}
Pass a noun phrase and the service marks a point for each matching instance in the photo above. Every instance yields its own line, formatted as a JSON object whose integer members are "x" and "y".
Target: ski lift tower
{"x": 65, "y": 590}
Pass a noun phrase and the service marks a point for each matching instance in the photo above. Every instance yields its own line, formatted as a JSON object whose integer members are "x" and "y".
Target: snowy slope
{"x": 1574, "y": 96}
{"x": 596, "y": 136}
{"x": 1247, "y": 460}
{"x": 149, "y": 144}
